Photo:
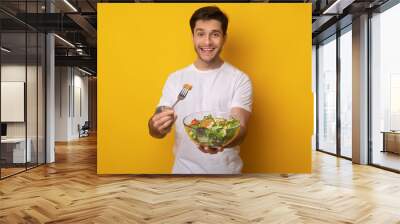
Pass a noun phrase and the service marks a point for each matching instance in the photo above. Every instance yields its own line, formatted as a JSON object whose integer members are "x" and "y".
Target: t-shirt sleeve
{"x": 243, "y": 94}
{"x": 168, "y": 96}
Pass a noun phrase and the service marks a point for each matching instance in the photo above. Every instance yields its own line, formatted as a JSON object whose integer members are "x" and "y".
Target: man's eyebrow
{"x": 212, "y": 31}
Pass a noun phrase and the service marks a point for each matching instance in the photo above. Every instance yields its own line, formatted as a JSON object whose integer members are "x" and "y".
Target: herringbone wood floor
{"x": 69, "y": 191}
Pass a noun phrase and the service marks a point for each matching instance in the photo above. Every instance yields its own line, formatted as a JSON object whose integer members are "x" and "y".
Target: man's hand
{"x": 161, "y": 123}
{"x": 243, "y": 116}
{"x": 210, "y": 150}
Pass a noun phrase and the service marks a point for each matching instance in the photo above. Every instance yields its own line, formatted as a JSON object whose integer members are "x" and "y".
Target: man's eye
{"x": 200, "y": 34}
{"x": 216, "y": 34}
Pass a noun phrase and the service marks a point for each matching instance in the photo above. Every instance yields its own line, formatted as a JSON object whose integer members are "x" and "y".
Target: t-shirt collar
{"x": 210, "y": 70}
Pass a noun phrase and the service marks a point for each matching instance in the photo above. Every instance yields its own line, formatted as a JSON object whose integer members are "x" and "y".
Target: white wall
{"x": 13, "y": 73}
{"x": 71, "y": 94}
{"x": 33, "y": 127}
{"x": 62, "y": 78}
{"x": 81, "y": 102}
{"x": 16, "y": 73}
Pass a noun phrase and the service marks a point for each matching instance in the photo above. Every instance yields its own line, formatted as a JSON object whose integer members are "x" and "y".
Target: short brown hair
{"x": 208, "y": 13}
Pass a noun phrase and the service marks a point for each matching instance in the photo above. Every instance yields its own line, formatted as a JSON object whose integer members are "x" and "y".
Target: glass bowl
{"x": 211, "y": 128}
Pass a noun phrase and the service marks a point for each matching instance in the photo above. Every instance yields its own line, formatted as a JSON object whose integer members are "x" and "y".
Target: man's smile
{"x": 207, "y": 49}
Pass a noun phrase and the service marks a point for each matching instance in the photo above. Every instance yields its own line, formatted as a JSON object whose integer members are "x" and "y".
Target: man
{"x": 217, "y": 86}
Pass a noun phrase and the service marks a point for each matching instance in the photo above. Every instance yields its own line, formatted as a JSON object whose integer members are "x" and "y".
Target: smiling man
{"x": 217, "y": 86}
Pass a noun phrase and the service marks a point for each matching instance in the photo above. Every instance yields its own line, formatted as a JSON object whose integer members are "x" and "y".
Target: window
{"x": 346, "y": 93}
{"x": 385, "y": 88}
{"x": 327, "y": 95}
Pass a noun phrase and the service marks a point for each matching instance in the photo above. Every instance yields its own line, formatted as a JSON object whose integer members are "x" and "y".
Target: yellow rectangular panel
{"x": 139, "y": 45}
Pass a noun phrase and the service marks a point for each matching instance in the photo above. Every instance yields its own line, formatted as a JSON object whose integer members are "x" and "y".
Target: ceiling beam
{"x": 83, "y": 61}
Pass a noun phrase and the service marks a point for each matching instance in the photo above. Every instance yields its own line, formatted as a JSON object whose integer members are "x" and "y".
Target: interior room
{"x": 53, "y": 117}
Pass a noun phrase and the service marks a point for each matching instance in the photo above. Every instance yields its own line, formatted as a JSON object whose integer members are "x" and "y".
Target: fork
{"x": 186, "y": 88}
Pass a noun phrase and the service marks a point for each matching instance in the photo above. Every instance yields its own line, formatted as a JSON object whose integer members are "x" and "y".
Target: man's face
{"x": 208, "y": 39}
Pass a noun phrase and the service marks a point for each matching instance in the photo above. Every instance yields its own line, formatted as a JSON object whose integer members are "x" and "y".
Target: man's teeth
{"x": 207, "y": 49}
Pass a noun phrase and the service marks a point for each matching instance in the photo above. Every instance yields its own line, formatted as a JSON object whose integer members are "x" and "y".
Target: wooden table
{"x": 13, "y": 150}
{"x": 391, "y": 141}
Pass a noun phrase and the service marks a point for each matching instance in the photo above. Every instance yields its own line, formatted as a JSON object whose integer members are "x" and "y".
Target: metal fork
{"x": 186, "y": 88}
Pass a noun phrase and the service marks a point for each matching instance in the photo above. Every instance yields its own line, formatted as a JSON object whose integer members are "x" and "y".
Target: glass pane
{"x": 346, "y": 94}
{"x": 314, "y": 78}
{"x": 41, "y": 98}
{"x": 327, "y": 96}
{"x": 31, "y": 84}
{"x": 31, "y": 101}
{"x": 23, "y": 84}
{"x": 386, "y": 88}
{"x": 14, "y": 153}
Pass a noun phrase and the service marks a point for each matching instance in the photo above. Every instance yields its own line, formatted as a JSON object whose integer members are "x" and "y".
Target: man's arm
{"x": 243, "y": 116}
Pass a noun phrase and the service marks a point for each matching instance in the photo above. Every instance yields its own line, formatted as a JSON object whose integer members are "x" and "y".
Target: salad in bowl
{"x": 211, "y": 129}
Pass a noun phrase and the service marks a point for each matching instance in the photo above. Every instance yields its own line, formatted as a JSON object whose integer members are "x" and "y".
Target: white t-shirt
{"x": 213, "y": 90}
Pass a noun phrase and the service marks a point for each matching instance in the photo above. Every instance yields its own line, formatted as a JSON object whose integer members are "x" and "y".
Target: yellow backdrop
{"x": 139, "y": 45}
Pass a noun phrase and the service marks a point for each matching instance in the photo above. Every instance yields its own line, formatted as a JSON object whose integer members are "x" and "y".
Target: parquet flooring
{"x": 70, "y": 191}
{"x": 10, "y": 171}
